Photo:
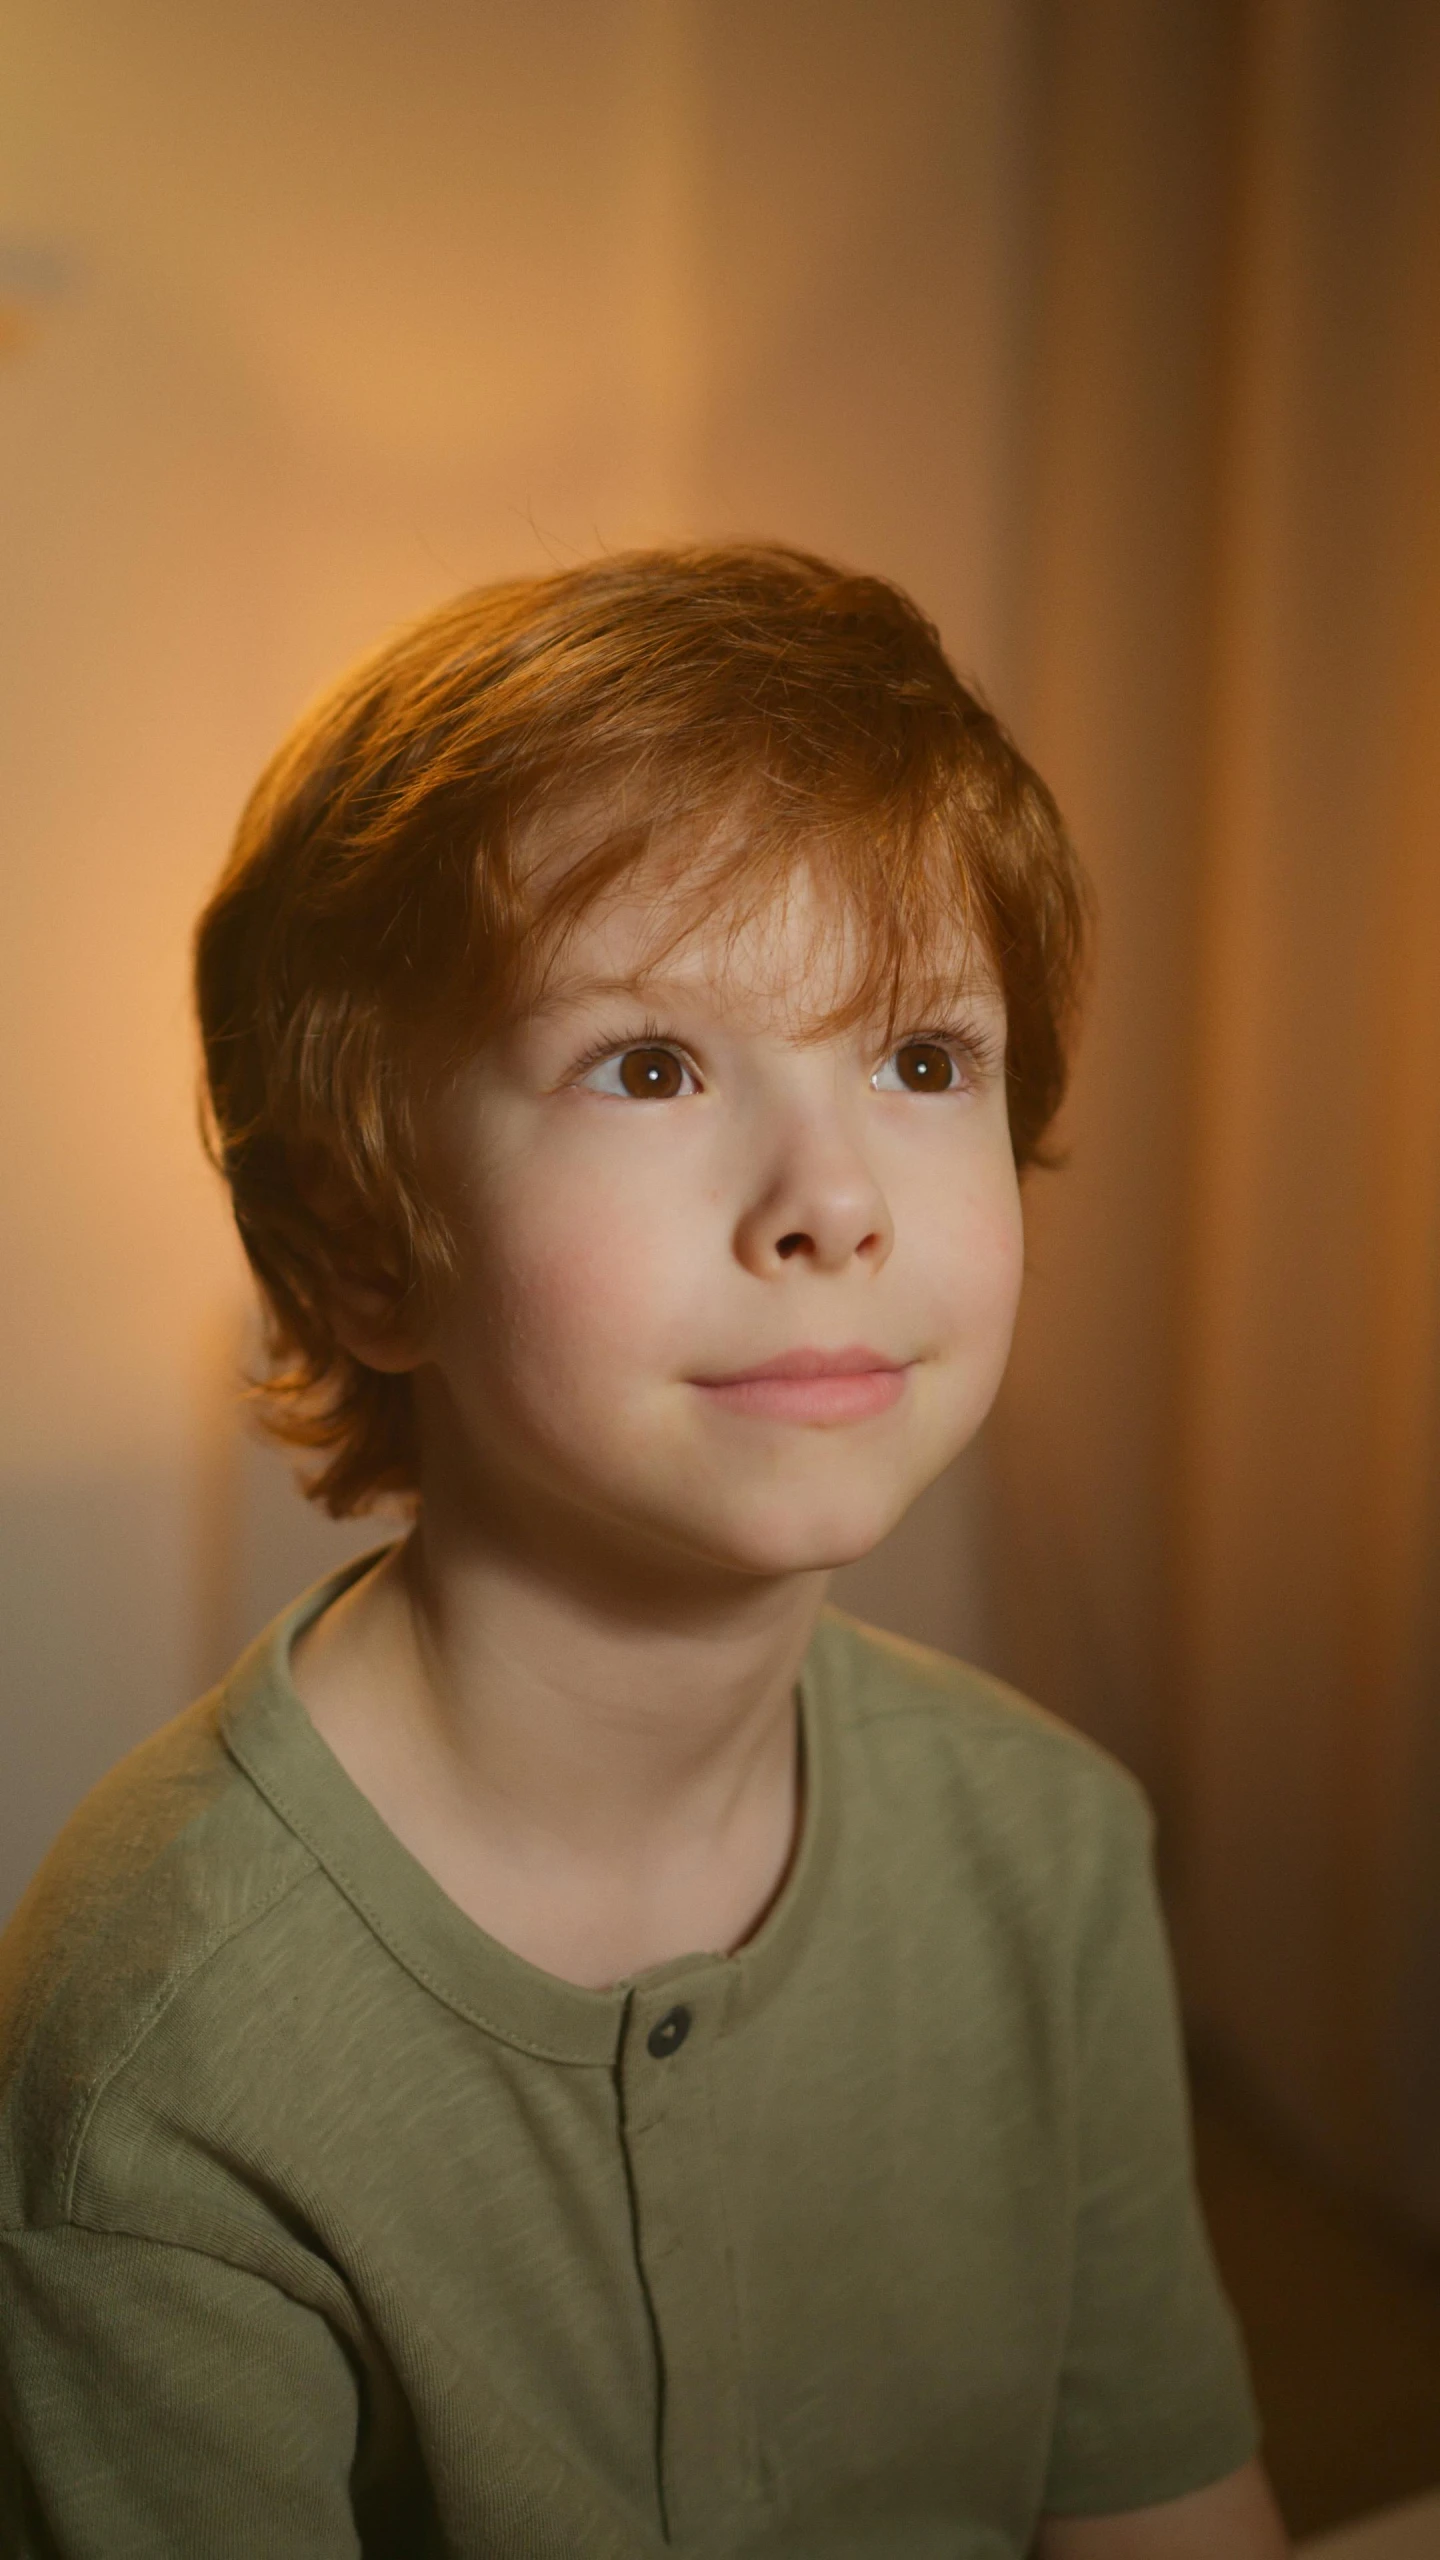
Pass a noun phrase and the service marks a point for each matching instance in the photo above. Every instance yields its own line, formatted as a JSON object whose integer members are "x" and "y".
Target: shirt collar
{"x": 269, "y": 1734}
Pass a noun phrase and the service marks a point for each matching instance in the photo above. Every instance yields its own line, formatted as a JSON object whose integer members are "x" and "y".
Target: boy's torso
{"x": 772, "y": 2253}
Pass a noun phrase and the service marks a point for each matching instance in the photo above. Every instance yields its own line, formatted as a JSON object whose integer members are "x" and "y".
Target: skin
{"x": 570, "y": 1692}
{"x": 1236, "y": 2519}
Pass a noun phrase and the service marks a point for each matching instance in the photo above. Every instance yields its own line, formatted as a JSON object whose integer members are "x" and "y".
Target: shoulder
{"x": 168, "y": 1860}
{"x": 949, "y": 1751}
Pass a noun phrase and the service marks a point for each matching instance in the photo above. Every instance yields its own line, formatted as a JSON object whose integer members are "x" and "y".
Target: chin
{"x": 794, "y": 1537}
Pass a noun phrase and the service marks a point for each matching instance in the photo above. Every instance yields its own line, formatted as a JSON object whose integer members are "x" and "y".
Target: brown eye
{"x": 922, "y": 1066}
{"x": 651, "y": 1075}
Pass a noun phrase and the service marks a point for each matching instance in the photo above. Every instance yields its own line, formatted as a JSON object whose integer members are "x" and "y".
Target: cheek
{"x": 579, "y": 1287}
{"x": 1001, "y": 1253}
{"x": 968, "y": 1249}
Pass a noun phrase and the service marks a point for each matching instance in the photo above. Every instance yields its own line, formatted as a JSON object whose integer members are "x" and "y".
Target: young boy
{"x": 575, "y": 2050}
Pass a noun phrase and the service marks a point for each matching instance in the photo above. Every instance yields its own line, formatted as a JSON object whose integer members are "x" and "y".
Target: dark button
{"x": 669, "y": 2034}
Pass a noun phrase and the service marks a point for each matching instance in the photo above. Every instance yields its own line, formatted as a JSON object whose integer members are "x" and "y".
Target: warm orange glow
{"x": 1111, "y": 337}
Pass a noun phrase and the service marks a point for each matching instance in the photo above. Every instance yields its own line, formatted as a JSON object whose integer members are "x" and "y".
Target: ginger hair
{"x": 728, "y": 715}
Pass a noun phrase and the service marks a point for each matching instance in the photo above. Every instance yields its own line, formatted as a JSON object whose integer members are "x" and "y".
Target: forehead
{"x": 816, "y": 939}
{"x": 795, "y": 955}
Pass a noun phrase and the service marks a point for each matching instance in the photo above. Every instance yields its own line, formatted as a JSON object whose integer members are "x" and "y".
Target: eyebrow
{"x": 576, "y": 991}
{"x": 659, "y": 982}
{"x": 926, "y": 1004}
{"x": 920, "y": 997}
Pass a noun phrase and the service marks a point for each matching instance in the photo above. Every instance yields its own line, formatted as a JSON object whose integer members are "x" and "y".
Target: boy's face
{"x": 729, "y": 1293}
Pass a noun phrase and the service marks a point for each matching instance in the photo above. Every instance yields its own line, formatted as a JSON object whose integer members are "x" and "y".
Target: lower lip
{"x": 848, "y": 1398}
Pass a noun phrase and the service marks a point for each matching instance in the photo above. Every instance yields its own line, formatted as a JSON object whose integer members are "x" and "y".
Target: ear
{"x": 367, "y": 1297}
{"x": 371, "y": 1321}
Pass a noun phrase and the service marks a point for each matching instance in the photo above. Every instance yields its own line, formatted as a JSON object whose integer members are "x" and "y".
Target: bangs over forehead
{"x": 889, "y": 917}
{"x": 783, "y": 722}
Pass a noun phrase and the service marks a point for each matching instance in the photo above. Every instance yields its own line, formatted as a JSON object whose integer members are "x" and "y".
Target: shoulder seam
{"x": 1009, "y": 1713}
{"x": 1026, "y": 1723}
{"x": 169, "y": 1990}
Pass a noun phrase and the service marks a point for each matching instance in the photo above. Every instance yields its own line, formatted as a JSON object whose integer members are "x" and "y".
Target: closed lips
{"x": 812, "y": 1386}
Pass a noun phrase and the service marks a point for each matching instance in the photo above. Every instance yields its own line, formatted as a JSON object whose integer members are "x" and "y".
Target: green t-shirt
{"x": 330, "y": 2226}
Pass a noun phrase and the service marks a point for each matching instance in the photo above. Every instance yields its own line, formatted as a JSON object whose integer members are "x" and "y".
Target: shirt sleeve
{"x": 157, "y": 2402}
{"x": 1154, "y": 2397}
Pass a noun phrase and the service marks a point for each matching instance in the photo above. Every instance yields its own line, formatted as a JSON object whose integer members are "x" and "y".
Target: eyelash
{"x": 650, "y": 1037}
{"x": 976, "y": 1054}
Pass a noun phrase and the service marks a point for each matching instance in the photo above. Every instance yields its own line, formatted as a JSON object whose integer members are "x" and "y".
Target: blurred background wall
{"x": 1111, "y": 329}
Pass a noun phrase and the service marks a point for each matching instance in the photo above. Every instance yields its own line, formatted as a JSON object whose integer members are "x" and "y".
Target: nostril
{"x": 791, "y": 1244}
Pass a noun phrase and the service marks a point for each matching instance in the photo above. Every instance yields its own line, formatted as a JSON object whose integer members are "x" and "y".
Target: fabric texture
{"x": 331, "y": 2227}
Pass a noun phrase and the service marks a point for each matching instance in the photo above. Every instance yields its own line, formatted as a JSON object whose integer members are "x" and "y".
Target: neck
{"x": 598, "y": 1767}
{"x": 585, "y": 1693}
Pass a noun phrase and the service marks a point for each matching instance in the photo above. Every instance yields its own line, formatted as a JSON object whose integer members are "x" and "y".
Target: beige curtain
{"x": 1216, "y": 1532}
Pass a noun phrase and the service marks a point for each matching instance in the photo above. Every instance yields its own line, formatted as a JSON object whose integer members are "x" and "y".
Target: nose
{"x": 819, "y": 1204}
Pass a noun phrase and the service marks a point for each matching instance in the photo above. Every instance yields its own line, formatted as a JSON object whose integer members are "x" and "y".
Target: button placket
{"x": 677, "y": 2187}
